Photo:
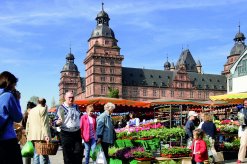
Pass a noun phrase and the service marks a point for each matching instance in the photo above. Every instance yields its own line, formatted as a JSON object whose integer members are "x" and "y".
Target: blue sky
{"x": 35, "y": 35}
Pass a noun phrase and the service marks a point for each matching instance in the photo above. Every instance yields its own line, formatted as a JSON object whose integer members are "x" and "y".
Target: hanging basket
{"x": 43, "y": 148}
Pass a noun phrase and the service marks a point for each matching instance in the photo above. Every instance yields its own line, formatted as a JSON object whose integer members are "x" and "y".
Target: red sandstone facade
{"x": 103, "y": 66}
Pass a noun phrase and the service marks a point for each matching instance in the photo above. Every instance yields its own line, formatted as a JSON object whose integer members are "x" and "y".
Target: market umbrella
{"x": 172, "y": 102}
{"x": 212, "y": 103}
{"x": 116, "y": 101}
{"x": 234, "y": 98}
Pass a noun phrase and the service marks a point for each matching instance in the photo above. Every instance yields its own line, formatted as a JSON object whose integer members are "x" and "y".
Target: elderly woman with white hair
{"x": 105, "y": 130}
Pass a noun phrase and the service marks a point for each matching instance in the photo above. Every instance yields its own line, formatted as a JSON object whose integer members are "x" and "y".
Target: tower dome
{"x": 239, "y": 37}
{"x": 70, "y": 65}
{"x": 167, "y": 64}
{"x": 239, "y": 45}
{"x": 102, "y": 29}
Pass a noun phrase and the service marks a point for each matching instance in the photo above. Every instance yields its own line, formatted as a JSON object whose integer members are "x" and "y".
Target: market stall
{"x": 230, "y": 98}
{"x": 122, "y": 104}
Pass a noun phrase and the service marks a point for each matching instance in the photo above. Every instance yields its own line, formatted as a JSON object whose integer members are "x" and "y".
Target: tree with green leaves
{"x": 113, "y": 93}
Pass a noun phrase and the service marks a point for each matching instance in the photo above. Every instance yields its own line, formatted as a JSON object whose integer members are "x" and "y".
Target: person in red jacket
{"x": 88, "y": 131}
{"x": 199, "y": 147}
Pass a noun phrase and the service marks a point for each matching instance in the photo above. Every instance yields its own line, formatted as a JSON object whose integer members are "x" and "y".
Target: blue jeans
{"x": 91, "y": 144}
{"x": 40, "y": 159}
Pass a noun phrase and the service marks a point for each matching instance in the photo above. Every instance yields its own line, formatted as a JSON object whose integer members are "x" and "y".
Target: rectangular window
{"x": 191, "y": 94}
{"x": 125, "y": 92}
{"x": 199, "y": 94}
{"x": 163, "y": 93}
{"x": 181, "y": 93}
{"x": 102, "y": 70}
{"x": 154, "y": 92}
{"x": 111, "y": 70}
{"x": 112, "y": 79}
{"x": 144, "y": 92}
{"x": 135, "y": 93}
{"x": 172, "y": 93}
{"x": 102, "y": 78}
{"x": 103, "y": 90}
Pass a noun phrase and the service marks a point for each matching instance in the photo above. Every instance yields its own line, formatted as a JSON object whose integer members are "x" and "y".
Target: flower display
{"x": 227, "y": 126}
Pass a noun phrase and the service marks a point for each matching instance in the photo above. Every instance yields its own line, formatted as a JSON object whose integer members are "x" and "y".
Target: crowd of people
{"x": 81, "y": 131}
{"x": 78, "y": 130}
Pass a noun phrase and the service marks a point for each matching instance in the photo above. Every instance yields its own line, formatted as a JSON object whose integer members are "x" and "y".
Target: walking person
{"x": 30, "y": 105}
{"x": 68, "y": 118}
{"x": 10, "y": 112}
{"x": 189, "y": 127}
{"x": 243, "y": 139}
{"x": 105, "y": 130}
{"x": 38, "y": 129}
{"x": 88, "y": 131}
{"x": 199, "y": 147}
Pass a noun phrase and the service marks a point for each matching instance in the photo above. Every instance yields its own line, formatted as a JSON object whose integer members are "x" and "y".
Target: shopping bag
{"x": 218, "y": 157}
{"x": 93, "y": 154}
{"x": 27, "y": 150}
{"x": 101, "y": 158}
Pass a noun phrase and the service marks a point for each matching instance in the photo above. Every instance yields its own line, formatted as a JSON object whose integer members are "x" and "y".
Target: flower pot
{"x": 144, "y": 159}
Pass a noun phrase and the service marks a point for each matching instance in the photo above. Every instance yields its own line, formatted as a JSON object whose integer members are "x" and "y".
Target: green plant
{"x": 113, "y": 93}
{"x": 176, "y": 150}
{"x": 228, "y": 145}
{"x": 142, "y": 154}
{"x": 112, "y": 151}
{"x": 121, "y": 135}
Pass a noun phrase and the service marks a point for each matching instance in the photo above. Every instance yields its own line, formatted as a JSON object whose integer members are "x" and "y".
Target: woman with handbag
{"x": 10, "y": 112}
{"x": 88, "y": 131}
{"x": 38, "y": 129}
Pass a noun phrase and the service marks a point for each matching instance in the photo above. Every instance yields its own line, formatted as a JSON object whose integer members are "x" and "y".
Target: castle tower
{"x": 236, "y": 51}
{"x": 103, "y": 62}
{"x": 167, "y": 65}
{"x": 199, "y": 66}
{"x": 70, "y": 78}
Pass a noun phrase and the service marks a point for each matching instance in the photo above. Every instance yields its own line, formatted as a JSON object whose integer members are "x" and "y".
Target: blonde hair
{"x": 89, "y": 107}
{"x": 109, "y": 106}
{"x": 208, "y": 117}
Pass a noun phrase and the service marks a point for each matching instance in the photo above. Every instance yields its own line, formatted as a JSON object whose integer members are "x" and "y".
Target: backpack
{"x": 242, "y": 117}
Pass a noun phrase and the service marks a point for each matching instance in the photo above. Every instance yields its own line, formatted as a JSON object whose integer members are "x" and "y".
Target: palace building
{"x": 104, "y": 69}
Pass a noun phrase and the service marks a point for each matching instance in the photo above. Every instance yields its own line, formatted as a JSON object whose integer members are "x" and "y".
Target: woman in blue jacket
{"x": 10, "y": 112}
{"x": 105, "y": 130}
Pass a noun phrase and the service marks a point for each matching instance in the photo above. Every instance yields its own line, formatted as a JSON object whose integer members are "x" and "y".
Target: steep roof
{"x": 160, "y": 78}
{"x": 187, "y": 60}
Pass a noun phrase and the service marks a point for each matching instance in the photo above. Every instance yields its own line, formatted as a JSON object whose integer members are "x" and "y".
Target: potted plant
{"x": 174, "y": 152}
{"x": 143, "y": 156}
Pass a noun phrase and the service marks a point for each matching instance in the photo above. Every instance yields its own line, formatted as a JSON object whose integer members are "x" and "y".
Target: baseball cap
{"x": 192, "y": 113}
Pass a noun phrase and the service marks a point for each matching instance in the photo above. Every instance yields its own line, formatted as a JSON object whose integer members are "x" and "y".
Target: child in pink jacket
{"x": 199, "y": 147}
